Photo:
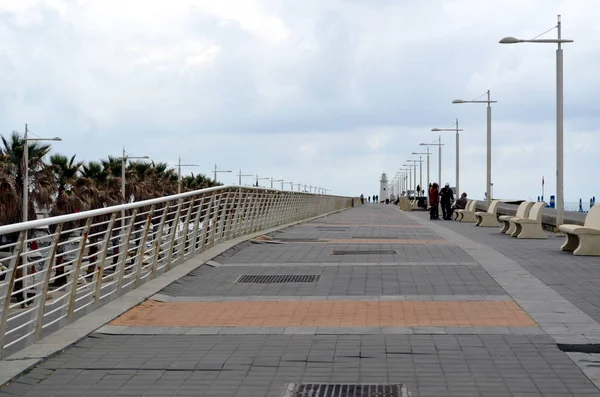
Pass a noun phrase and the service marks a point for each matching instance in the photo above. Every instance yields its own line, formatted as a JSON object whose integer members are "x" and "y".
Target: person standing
{"x": 362, "y": 199}
{"x": 434, "y": 202}
{"x": 447, "y": 197}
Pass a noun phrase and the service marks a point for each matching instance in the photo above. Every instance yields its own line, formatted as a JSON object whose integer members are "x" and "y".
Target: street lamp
{"x": 276, "y": 180}
{"x": 489, "y": 143}
{"x": 217, "y": 170}
{"x": 259, "y": 179}
{"x": 124, "y": 159}
{"x": 420, "y": 172}
{"x": 410, "y": 180}
{"x": 439, "y": 145}
{"x": 179, "y": 165}
{"x": 560, "y": 205}
{"x": 240, "y": 175}
{"x": 26, "y": 169}
{"x": 457, "y": 151}
{"x": 427, "y": 154}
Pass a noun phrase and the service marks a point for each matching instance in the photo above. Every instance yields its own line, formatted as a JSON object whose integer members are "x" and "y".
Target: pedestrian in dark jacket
{"x": 446, "y": 197}
{"x": 434, "y": 202}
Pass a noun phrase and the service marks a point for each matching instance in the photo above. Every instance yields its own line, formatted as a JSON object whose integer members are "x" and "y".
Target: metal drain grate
{"x": 589, "y": 348}
{"x": 277, "y": 278}
{"x": 345, "y": 390}
{"x": 359, "y": 252}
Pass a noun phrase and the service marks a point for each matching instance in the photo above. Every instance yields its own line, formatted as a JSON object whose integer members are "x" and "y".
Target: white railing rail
{"x": 54, "y": 270}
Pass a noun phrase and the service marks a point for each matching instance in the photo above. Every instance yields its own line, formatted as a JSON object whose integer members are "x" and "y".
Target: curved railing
{"x": 57, "y": 269}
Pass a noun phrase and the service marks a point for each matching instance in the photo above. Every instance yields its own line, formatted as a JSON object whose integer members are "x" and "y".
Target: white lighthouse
{"x": 383, "y": 188}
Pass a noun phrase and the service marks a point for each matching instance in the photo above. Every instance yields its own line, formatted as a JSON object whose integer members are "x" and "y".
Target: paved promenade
{"x": 370, "y": 296}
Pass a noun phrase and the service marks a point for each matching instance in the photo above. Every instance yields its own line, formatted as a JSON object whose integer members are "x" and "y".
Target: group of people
{"x": 445, "y": 197}
{"x": 362, "y": 199}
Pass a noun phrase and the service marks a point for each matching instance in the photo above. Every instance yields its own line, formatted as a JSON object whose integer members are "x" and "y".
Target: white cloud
{"x": 328, "y": 93}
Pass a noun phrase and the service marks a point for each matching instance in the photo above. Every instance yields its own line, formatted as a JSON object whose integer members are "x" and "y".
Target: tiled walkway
{"x": 444, "y": 309}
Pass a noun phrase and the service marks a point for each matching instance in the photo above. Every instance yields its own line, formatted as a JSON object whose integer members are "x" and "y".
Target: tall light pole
{"x": 457, "y": 152}
{"x": 240, "y": 175}
{"x": 489, "y": 143}
{"x": 276, "y": 180}
{"x": 410, "y": 179}
{"x": 560, "y": 203}
{"x": 179, "y": 165}
{"x": 427, "y": 153}
{"x": 26, "y": 141}
{"x": 259, "y": 179}
{"x": 124, "y": 159}
{"x": 291, "y": 186}
{"x": 421, "y": 172}
{"x": 439, "y": 145}
{"x": 218, "y": 170}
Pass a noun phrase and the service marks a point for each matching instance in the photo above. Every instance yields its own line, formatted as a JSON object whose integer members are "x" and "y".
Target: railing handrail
{"x": 38, "y": 223}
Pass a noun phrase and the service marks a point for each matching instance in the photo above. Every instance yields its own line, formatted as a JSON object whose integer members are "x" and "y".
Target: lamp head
{"x": 510, "y": 40}
{"x": 422, "y": 144}
{"x": 435, "y": 129}
{"x": 458, "y": 101}
{"x": 58, "y": 139}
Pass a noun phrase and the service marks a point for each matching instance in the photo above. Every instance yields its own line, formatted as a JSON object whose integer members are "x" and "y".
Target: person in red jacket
{"x": 434, "y": 202}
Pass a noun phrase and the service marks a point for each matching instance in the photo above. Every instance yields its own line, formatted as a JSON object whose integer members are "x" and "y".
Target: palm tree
{"x": 66, "y": 173}
{"x": 40, "y": 183}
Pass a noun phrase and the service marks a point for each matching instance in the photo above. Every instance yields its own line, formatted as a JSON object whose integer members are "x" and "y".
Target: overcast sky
{"x": 328, "y": 93}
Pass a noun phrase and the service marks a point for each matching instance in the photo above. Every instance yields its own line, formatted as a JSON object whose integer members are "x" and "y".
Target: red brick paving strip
{"x": 327, "y": 314}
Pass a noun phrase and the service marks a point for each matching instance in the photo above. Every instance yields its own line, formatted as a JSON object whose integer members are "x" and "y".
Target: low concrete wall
{"x": 548, "y": 218}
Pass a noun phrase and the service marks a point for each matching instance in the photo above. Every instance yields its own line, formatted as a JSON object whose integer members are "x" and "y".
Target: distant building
{"x": 383, "y": 188}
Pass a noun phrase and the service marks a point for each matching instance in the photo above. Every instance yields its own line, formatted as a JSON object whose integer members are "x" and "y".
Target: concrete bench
{"x": 522, "y": 212}
{"x": 488, "y": 218}
{"x": 584, "y": 240}
{"x": 531, "y": 227}
{"x": 404, "y": 203}
{"x": 468, "y": 214}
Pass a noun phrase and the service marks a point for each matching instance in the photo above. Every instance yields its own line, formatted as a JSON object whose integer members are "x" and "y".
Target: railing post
{"x": 186, "y": 226}
{"x": 39, "y": 323}
{"x": 222, "y": 221}
{"x": 12, "y": 269}
{"x": 174, "y": 234}
{"x": 214, "y": 220}
{"x": 139, "y": 260}
{"x": 102, "y": 265}
{"x": 158, "y": 239}
{"x": 243, "y": 218}
{"x": 255, "y": 205}
{"x": 207, "y": 222}
{"x": 72, "y": 290}
{"x": 196, "y": 226}
{"x": 120, "y": 271}
{"x": 233, "y": 213}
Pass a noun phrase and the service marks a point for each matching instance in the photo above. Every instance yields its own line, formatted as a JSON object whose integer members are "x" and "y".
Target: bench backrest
{"x": 523, "y": 209}
{"x": 493, "y": 207}
{"x": 471, "y": 205}
{"x": 536, "y": 211}
{"x": 592, "y": 219}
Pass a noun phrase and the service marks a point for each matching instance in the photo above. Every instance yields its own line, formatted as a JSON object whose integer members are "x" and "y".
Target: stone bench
{"x": 522, "y": 212}
{"x": 488, "y": 218}
{"x": 530, "y": 227}
{"x": 468, "y": 214}
{"x": 583, "y": 240}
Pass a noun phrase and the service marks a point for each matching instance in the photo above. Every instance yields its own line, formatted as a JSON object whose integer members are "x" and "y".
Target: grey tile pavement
{"x": 263, "y": 365}
{"x": 341, "y": 280}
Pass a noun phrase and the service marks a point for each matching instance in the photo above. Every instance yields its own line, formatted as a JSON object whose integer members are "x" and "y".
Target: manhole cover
{"x": 588, "y": 348}
{"x": 278, "y": 278}
{"x": 359, "y": 252}
{"x": 345, "y": 390}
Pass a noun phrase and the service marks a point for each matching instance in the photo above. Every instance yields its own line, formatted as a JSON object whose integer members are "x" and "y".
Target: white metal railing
{"x": 54, "y": 270}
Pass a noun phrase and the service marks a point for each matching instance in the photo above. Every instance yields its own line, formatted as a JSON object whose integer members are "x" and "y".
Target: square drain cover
{"x": 277, "y": 278}
{"x": 359, "y": 252}
{"x": 345, "y": 390}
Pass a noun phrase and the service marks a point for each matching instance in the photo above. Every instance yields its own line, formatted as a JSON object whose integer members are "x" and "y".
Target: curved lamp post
{"x": 457, "y": 151}
{"x": 26, "y": 141}
{"x": 439, "y": 145}
{"x": 489, "y": 143}
{"x": 427, "y": 153}
{"x": 560, "y": 204}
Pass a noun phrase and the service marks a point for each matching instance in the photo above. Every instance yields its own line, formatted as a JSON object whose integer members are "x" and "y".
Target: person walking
{"x": 362, "y": 199}
{"x": 447, "y": 197}
{"x": 434, "y": 202}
